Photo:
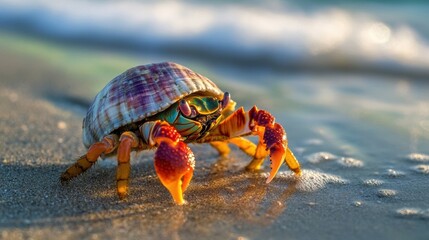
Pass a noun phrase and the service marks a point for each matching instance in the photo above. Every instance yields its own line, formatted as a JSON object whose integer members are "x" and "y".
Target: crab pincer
{"x": 273, "y": 136}
{"x": 174, "y": 160}
{"x": 276, "y": 143}
{"x": 272, "y": 139}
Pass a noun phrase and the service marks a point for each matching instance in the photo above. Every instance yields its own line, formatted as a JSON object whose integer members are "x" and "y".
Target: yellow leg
{"x": 257, "y": 152}
{"x": 245, "y": 145}
{"x": 260, "y": 154}
{"x": 292, "y": 162}
{"x": 107, "y": 145}
{"x": 221, "y": 147}
{"x": 127, "y": 141}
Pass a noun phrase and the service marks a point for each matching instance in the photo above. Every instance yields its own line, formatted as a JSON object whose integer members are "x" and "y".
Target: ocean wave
{"x": 327, "y": 38}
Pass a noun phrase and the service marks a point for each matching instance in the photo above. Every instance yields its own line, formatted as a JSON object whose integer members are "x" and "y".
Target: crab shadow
{"x": 34, "y": 197}
{"x": 244, "y": 195}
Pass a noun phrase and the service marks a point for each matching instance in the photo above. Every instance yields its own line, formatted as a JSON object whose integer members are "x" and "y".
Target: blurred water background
{"x": 348, "y": 79}
{"x": 370, "y": 36}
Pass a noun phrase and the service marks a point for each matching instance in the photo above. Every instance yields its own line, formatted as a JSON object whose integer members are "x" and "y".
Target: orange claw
{"x": 275, "y": 140}
{"x": 277, "y": 156}
{"x": 271, "y": 135}
{"x": 174, "y": 165}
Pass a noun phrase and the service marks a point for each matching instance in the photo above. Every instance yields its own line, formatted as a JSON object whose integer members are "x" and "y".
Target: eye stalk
{"x": 185, "y": 108}
{"x": 225, "y": 100}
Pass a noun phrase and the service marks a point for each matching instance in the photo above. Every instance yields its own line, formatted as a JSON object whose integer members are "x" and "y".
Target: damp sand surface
{"x": 363, "y": 154}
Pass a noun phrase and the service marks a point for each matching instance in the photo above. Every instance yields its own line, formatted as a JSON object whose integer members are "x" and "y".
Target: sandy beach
{"x": 42, "y": 103}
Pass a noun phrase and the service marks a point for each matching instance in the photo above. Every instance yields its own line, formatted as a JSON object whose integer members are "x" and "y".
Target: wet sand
{"x": 42, "y": 107}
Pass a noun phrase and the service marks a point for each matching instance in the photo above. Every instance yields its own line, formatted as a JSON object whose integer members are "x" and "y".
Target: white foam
{"x": 413, "y": 213}
{"x": 386, "y": 193}
{"x": 284, "y": 35}
{"x": 418, "y": 157}
{"x": 320, "y": 157}
{"x": 395, "y": 173}
{"x": 312, "y": 180}
{"x": 422, "y": 168}
{"x": 373, "y": 182}
{"x": 350, "y": 162}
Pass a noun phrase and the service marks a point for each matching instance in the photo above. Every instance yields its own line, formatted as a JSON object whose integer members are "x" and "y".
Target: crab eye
{"x": 185, "y": 108}
{"x": 194, "y": 112}
{"x": 225, "y": 100}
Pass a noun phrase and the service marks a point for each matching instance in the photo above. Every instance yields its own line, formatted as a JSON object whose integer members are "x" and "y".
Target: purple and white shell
{"x": 141, "y": 92}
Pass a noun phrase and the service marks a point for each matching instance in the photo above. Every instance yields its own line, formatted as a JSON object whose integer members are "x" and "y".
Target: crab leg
{"x": 174, "y": 160}
{"x": 245, "y": 145}
{"x": 221, "y": 147}
{"x": 258, "y": 152}
{"x": 107, "y": 145}
{"x": 272, "y": 138}
{"x": 258, "y": 158}
{"x": 127, "y": 141}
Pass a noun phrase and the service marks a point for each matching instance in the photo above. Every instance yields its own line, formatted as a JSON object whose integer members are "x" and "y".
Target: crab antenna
{"x": 226, "y": 98}
{"x": 185, "y": 108}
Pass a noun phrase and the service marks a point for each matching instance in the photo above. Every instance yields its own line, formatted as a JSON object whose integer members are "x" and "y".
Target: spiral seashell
{"x": 139, "y": 93}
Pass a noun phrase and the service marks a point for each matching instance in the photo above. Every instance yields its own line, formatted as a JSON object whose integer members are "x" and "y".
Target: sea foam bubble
{"x": 350, "y": 162}
{"x": 311, "y": 180}
{"x": 320, "y": 157}
{"x": 413, "y": 213}
{"x": 373, "y": 182}
{"x": 384, "y": 193}
{"x": 394, "y": 173}
{"x": 422, "y": 168}
{"x": 417, "y": 157}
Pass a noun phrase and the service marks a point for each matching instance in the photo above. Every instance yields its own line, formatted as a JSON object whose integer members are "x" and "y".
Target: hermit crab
{"x": 165, "y": 106}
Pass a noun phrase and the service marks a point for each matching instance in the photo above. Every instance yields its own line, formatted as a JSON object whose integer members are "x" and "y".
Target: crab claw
{"x": 275, "y": 141}
{"x": 272, "y": 139}
{"x": 174, "y": 165}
